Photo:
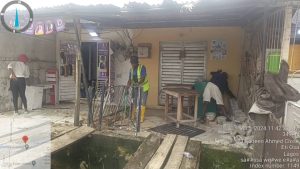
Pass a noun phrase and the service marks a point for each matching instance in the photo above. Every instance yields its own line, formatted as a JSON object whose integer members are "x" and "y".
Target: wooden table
{"x": 180, "y": 93}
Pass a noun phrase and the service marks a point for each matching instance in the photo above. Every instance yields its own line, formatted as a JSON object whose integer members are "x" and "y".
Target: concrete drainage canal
{"x": 107, "y": 151}
{"x": 96, "y": 152}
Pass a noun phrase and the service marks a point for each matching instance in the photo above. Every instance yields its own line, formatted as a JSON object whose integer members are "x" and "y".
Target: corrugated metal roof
{"x": 169, "y": 13}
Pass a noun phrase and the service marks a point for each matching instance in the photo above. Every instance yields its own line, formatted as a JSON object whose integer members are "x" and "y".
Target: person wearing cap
{"x": 19, "y": 71}
{"x": 217, "y": 86}
{"x": 138, "y": 78}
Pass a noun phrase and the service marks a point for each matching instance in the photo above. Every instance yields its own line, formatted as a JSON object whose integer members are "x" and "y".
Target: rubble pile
{"x": 239, "y": 132}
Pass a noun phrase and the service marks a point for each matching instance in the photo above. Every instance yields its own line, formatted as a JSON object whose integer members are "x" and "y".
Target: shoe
{"x": 26, "y": 112}
{"x": 16, "y": 112}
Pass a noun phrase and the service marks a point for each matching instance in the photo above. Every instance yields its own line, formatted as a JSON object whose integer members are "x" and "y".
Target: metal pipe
{"x": 90, "y": 62}
{"x": 102, "y": 93}
{"x": 138, "y": 120}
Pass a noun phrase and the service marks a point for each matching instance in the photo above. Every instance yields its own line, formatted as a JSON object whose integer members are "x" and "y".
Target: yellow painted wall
{"x": 232, "y": 35}
{"x": 294, "y": 58}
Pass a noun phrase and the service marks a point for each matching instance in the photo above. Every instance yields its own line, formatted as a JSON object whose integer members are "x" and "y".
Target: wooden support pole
{"x": 78, "y": 74}
{"x": 285, "y": 46}
{"x": 84, "y": 79}
{"x": 77, "y": 96}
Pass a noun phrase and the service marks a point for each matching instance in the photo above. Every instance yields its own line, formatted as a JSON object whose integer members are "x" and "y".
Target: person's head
{"x": 134, "y": 61}
{"x": 225, "y": 75}
{"x": 23, "y": 58}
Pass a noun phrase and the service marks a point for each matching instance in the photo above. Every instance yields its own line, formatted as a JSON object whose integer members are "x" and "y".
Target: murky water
{"x": 106, "y": 152}
{"x": 97, "y": 152}
{"x": 220, "y": 159}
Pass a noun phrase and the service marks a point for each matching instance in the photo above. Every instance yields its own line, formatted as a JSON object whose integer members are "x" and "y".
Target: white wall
{"x": 40, "y": 50}
{"x": 122, "y": 66}
{"x": 295, "y": 82}
{"x": 122, "y": 70}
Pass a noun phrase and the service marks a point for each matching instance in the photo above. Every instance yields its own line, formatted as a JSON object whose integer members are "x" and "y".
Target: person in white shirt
{"x": 19, "y": 71}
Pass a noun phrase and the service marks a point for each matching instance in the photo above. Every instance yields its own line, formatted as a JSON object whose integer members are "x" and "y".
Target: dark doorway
{"x": 89, "y": 61}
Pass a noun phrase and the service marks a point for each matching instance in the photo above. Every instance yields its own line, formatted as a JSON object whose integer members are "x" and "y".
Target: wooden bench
{"x": 167, "y": 155}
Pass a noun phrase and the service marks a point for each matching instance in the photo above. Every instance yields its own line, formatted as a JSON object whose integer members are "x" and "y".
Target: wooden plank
{"x": 176, "y": 156}
{"x": 69, "y": 138}
{"x": 188, "y": 94}
{"x": 186, "y": 121}
{"x": 172, "y": 93}
{"x": 172, "y": 118}
{"x": 193, "y": 147}
{"x": 58, "y": 130}
{"x": 186, "y": 86}
{"x": 160, "y": 156}
{"x": 196, "y": 111}
{"x": 181, "y": 92}
{"x": 78, "y": 72}
{"x": 144, "y": 153}
{"x": 188, "y": 116}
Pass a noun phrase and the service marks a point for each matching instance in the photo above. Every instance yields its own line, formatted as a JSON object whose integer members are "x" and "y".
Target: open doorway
{"x": 89, "y": 61}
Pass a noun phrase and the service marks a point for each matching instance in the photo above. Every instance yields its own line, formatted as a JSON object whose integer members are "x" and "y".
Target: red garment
{"x": 23, "y": 58}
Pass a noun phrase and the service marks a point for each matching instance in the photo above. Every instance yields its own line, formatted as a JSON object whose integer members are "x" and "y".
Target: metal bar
{"x": 277, "y": 29}
{"x": 90, "y": 62}
{"x": 268, "y": 45}
{"x": 138, "y": 118}
{"x": 263, "y": 63}
{"x": 273, "y": 31}
{"x": 102, "y": 93}
{"x": 281, "y": 27}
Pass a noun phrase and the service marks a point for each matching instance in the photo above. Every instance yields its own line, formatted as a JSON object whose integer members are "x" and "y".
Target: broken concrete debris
{"x": 237, "y": 133}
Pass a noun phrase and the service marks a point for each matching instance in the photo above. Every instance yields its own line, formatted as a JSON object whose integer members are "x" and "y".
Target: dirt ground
{"x": 62, "y": 118}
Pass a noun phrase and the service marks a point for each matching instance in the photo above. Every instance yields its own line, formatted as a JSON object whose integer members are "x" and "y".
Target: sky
{"x": 34, "y": 4}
